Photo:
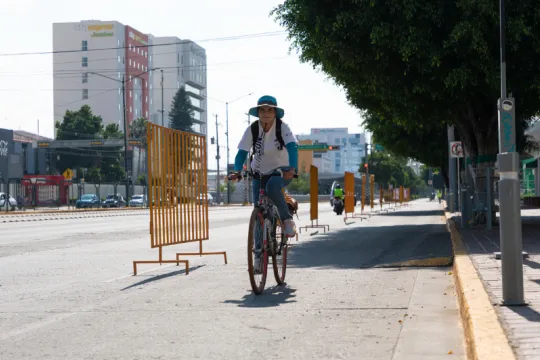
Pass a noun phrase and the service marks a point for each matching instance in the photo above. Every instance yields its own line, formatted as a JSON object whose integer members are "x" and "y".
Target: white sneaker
{"x": 290, "y": 228}
{"x": 257, "y": 266}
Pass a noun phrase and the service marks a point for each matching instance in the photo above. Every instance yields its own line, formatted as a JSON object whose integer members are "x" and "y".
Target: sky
{"x": 258, "y": 65}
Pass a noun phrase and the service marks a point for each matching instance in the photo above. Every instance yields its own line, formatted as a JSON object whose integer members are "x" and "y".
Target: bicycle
{"x": 265, "y": 222}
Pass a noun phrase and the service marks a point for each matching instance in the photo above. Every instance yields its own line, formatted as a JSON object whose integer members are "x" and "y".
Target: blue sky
{"x": 260, "y": 65}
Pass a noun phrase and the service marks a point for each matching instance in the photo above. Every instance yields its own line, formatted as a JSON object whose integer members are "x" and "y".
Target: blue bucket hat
{"x": 267, "y": 100}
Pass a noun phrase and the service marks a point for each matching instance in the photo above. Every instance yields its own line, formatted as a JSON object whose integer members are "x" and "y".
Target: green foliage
{"x": 103, "y": 164}
{"x": 181, "y": 114}
{"x": 421, "y": 65}
{"x": 300, "y": 185}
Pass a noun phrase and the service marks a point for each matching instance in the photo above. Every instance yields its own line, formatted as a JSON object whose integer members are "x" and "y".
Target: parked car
{"x": 113, "y": 201}
{"x": 138, "y": 201}
{"x": 87, "y": 201}
{"x": 12, "y": 202}
{"x": 210, "y": 199}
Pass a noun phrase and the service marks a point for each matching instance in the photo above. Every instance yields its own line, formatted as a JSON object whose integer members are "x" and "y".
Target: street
{"x": 67, "y": 291}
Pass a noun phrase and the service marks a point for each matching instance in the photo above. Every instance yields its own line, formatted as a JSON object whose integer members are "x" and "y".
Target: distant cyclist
{"x": 274, "y": 147}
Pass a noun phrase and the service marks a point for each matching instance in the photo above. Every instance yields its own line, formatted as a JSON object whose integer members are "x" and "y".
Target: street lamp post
{"x": 509, "y": 191}
{"x": 227, "y": 135}
{"x": 124, "y": 118}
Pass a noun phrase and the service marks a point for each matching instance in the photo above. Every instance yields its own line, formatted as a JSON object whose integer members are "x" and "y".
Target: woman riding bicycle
{"x": 274, "y": 147}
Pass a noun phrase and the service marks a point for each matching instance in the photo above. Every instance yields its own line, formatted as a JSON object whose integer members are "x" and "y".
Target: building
{"x": 91, "y": 59}
{"x": 349, "y": 156}
{"x": 180, "y": 63}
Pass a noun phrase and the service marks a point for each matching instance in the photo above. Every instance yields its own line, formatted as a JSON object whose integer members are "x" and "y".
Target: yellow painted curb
{"x": 485, "y": 337}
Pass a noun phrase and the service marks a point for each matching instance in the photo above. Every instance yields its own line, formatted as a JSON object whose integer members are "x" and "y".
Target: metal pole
{"x": 452, "y": 169}
{"x": 227, "y": 165}
{"x": 489, "y": 200}
{"x": 125, "y": 136}
{"x": 459, "y": 183}
{"x": 217, "y": 158}
{"x": 509, "y": 192}
{"x": 162, "y": 102}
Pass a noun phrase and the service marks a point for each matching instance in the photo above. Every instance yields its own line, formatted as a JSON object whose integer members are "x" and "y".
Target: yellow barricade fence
{"x": 363, "y": 196}
{"x": 401, "y": 195}
{"x": 372, "y": 191}
{"x": 349, "y": 196}
{"x": 314, "y": 200}
{"x": 177, "y": 192}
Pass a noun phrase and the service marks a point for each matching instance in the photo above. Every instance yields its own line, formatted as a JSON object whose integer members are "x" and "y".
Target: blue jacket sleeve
{"x": 239, "y": 160}
{"x": 292, "y": 149}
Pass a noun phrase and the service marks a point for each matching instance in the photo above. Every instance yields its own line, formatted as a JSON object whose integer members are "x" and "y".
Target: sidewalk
{"x": 521, "y": 325}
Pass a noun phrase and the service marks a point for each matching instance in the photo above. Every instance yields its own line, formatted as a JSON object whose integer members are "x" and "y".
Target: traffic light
{"x": 212, "y": 140}
{"x": 366, "y": 165}
{"x": 333, "y": 147}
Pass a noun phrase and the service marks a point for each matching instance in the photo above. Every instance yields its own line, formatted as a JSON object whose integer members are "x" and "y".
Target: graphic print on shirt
{"x": 258, "y": 153}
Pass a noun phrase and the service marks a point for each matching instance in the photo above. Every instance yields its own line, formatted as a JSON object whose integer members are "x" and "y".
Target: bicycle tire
{"x": 280, "y": 270}
{"x": 256, "y": 285}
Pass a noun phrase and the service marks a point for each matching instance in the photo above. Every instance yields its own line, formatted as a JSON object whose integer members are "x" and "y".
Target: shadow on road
{"x": 376, "y": 246}
{"x": 271, "y": 297}
{"x": 161, "y": 277}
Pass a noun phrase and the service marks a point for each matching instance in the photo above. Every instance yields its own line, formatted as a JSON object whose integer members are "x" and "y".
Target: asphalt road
{"x": 66, "y": 292}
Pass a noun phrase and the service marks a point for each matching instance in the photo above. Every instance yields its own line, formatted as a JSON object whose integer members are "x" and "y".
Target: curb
{"x": 484, "y": 335}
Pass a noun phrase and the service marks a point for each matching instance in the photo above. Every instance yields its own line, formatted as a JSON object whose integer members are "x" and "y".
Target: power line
{"x": 228, "y": 38}
{"x": 77, "y": 73}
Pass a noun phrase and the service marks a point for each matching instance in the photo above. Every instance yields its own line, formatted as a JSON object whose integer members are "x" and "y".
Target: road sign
{"x": 456, "y": 149}
{"x": 68, "y": 174}
{"x": 318, "y": 147}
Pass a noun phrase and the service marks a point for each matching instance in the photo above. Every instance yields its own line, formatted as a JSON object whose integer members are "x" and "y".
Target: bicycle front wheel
{"x": 256, "y": 232}
{"x": 279, "y": 255}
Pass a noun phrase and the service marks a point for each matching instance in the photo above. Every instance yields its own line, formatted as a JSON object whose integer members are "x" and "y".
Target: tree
{"x": 139, "y": 130}
{"x": 81, "y": 124}
{"x": 423, "y": 64}
{"x": 181, "y": 114}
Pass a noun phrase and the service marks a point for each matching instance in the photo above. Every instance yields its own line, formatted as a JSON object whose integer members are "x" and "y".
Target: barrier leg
{"x": 160, "y": 261}
{"x": 202, "y": 253}
{"x": 315, "y": 226}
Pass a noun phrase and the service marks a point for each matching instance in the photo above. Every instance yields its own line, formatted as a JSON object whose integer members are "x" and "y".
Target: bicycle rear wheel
{"x": 256, "y": 229}
{"x": 279, "y": 255}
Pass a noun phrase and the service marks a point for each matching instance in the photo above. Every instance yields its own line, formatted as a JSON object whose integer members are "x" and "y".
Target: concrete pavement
{"x": 66, "y": 292}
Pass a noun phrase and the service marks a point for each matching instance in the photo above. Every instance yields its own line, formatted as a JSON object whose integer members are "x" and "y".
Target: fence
{"x": 314, "y": 200}
{"x": 29, "y": 193}
{"x": 485, "y": 202}
{"x": 177, "y": 180}
{"x": 349, "y": 196}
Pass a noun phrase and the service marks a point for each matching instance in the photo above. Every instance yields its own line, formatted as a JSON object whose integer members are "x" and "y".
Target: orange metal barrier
{"x": 363, "y": 197}
{"x": 401, "y": 195}
{"x": 314, "y": 200}
{"x": 349, "y": 195}
{"x": 177, "y": 192}
{"x": 372, "y": 190}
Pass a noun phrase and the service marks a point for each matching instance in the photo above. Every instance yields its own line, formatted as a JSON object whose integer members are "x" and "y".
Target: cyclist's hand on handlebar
{"x": 288, "y": 175}
{"x": 235, "y": 176}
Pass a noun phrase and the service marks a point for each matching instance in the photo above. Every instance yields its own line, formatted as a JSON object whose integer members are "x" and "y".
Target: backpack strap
{"x": 278, "y": 133}
{"x": 254, "y": 133}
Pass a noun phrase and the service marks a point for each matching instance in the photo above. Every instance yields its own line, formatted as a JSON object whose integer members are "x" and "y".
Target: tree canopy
{"x": 422, "y": 64}
{"x": 102, "y": 164}
{"x": 181, "y": 114}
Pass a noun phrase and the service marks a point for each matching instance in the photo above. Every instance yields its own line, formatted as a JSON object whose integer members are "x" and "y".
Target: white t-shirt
{"x": 267, "y": 156}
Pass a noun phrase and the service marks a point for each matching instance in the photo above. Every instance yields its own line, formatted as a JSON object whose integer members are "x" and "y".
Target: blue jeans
{"x": 273, "y": 189}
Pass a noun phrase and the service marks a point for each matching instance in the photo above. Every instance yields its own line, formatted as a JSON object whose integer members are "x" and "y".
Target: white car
{"x": 12, "y": 202}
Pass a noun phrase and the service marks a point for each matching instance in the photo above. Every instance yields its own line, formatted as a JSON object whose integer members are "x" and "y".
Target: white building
{"x": 90, "y": 60}
{"x": 182, "y": 63}
{"x": 348, "y": 158}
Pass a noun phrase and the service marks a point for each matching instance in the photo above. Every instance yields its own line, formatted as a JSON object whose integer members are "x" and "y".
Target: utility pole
{"x": 125, "y": 136}
{"x": 162, "y": 102}
{"x": 217, "y": 158}
{"x": 227, "y": 165}
{"x": 509, "y": 191}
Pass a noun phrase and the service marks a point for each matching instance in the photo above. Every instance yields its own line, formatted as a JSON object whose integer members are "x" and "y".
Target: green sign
{"x": 318, "y": 147}
{"x": 102, "y": 34}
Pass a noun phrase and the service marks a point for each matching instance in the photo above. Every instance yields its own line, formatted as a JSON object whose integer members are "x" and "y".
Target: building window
{"x": 147, "y": 114}
{"x": 136, "y": 112}
{"x": 85, "y": 61}
{"x": 129, "y": 62}
{"x": 85, "y": 94}
{"x": 130, "y": 93}
{"x": 119, "y": 60}
{"x": 85, "y": 78}
{"x": 130, "y": 109}
{"x": 147, "y": 100}
{"x": 84, "y": 45}
{"x": 119, "y": 107}
{"x": 135, "y": 96}
{"x": 118, "y": 43}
